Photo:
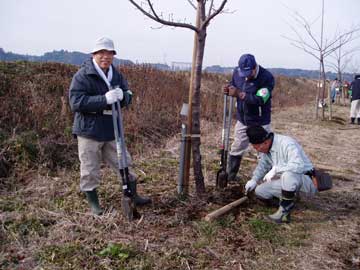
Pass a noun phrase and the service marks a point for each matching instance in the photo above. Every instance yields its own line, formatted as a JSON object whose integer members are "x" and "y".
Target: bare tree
{"x": 319, "y": 49}
{"x": 206, "y": 10}
{"x": 339, "y": 61}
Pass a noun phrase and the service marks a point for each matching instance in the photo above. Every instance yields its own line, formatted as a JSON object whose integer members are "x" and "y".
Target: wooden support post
{"x": 189, "y": 125}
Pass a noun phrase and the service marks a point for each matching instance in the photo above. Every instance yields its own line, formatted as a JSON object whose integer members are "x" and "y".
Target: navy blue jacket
{"x": 252, "y": 110}
{"x": 355, "y": 88}
{"x": 87, "y": 100}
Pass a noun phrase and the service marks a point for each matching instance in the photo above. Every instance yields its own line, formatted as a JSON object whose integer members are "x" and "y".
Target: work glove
{"x": 270, "y": 175}
{"x": 113, "y": 95}
{"x": 233, "y": 91}
{"x": 127, "y": 98}
{"x": 250, "y": 185}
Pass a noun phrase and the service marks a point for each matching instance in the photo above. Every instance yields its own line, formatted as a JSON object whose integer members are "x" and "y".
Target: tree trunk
{"x": 196, "y": 142}
{"x": 317, "y": 99}
{"x": 322, "y": 72}
{"x": 329, "y": 93}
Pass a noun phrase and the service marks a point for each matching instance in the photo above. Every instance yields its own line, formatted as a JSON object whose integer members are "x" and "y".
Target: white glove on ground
{"x": 270, "y": 175}
{"x": 250, "y": 185}
{"x": 113, "y": 95}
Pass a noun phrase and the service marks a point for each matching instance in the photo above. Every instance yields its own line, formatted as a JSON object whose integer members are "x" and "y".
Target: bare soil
{"x": 46, "y": 224}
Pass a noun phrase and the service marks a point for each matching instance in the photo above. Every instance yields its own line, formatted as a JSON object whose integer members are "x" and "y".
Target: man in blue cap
{"x": 252, "y": 85}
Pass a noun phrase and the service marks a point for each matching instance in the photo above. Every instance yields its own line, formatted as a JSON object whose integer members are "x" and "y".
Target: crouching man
{"x": 282, "y": 172}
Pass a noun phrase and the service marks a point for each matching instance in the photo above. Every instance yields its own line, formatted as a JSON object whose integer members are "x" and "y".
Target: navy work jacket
{"x": 87, "y": 100}
{"x": 252, "y": 110}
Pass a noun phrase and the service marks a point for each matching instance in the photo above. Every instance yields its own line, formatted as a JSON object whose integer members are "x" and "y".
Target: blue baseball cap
{"x": 246, "y": 64}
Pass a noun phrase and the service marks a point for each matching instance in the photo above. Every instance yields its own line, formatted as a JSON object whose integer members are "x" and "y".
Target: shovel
{"x": 222, "y": 176}
{"x": 128, "y": 203}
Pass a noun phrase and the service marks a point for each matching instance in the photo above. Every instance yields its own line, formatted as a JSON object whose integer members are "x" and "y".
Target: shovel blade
{"x": 221, "y": 179}
{"x": 128, "y": 207}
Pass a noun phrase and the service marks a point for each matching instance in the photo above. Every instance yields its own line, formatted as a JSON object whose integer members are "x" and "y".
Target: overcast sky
{"x": 253, "y": 26}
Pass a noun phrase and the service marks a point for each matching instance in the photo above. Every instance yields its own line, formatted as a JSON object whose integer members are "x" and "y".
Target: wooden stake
{"x": 225, "y": 209}
{"x": 189, "y": 119}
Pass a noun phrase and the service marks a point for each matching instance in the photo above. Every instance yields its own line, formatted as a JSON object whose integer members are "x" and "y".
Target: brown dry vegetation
{"x": 45, "y": 222}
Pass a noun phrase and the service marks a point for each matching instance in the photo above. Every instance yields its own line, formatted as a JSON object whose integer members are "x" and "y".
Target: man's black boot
{"x": 138, "y": 199}
{"x": 233, "y": 167}
{"x": 282, "y": 215}
{"x": 352, "y": 120}
{"x": 93, "y": 201}
{"x": 358, "y": 121}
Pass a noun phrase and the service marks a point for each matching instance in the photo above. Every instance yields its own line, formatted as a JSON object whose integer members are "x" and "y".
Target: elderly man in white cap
{"x": 91, "y": 99}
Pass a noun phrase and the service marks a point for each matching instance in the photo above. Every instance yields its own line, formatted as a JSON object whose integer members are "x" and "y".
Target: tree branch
{"x": 216, "y": 12}
{"x": 306, "y": 50}
{"x": 192, "y": 4}
{"x": 154, "y": 16}
{"x": 342, "y": 39}
{"x": 211, "y": 7}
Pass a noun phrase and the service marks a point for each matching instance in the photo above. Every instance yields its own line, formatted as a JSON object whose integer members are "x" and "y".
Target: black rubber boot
{"x": 352, "y": 120}
{"x": 358, "y": 121}
{"x": 287, "y": 203}
{"x": 93, "y": 200}
{"x": 138, "y": 199}
{"x": 233, "y": 167}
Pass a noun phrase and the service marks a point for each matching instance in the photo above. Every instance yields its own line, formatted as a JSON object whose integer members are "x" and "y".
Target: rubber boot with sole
{"x": 93, "y": 201}
{"x": 287, "y": 204}
{"x": 233, "y": 168}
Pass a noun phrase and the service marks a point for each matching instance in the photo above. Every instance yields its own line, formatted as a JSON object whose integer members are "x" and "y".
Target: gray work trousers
{"x": 288, "y": 181}
{"x": 91, "y": 154}
{"x": 241, "y": 140}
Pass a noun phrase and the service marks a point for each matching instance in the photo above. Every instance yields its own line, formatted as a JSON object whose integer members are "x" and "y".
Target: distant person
{"x": 91, "y": 99}
{"x": 355, "y": 100}
{"x": 252, "y": 86}
{"x": 283, "y": 171}
{"x": 345, "y": 89}
{"x": 334, "y": 89}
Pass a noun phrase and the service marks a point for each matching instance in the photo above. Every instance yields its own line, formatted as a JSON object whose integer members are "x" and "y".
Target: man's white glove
{"x": 250, "y": 185}
{"x": 270, "y": 175}
{"x": 113, "y": 95}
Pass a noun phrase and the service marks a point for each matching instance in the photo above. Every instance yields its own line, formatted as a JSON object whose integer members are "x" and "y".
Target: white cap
{"x": 104, "y": 43}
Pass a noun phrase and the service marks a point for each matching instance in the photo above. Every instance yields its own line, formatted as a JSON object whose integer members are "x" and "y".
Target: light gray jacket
{"x": 286, "y": 154}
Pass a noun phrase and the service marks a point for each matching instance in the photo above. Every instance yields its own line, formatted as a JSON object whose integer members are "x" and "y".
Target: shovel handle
{"x": 120, "y": 146}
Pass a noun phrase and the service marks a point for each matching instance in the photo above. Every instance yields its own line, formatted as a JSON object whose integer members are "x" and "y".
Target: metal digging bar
{"x": 222, "y": 176}
{"x": 127, "y": 203}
